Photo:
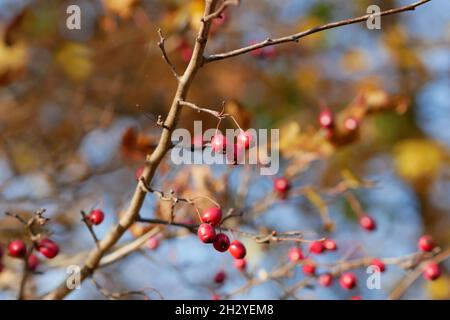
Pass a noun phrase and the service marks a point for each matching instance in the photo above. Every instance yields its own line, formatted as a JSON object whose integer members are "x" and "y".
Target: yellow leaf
{"x": 75, "y": 61}
{"x": 417, "y": 159}
{"x": 12, "y": 57}
{"x": 439, "y": 289}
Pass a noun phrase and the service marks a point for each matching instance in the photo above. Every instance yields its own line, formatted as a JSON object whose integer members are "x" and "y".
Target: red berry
{"x": 244, "y": 139}
{"x": 379, "y": 264}
{"x": 96, "y": 216}
{"x": 432, "y": 271}
{"x": 281, "y": 185}
{"x": 356, "y": 298}
{"x": 325, "y": 279}
{"x": 326, "y": 120}
{"x": 153, "y": 243}
{"x": 17, "y": 248}
{"x": 206, "y": 233}
{"x": 351, "y": 124}
{"x": 347, "y": 281}
{"x": 139, "y": 172}
{"x": 316, "y": 247}
{"x": 212, "y": 215}
{"x": 218, "y": 143}
{"x": 240, "y": 264}
{"x": 237, "y": 249}
{"x": 330, "y": 245}
{"x": 1, "y": 252}
{"x": 221, "y": 242}
{"x": 295, "y": 254}
{"x": 48, "y": 248}
{"x": 220, "y": 277}
{"x": 215, "y": 297}
{"x": 426, "y": 243}
{"x": 367, "y": 222}
{"x": 309, "y": 269}
{"x": 33, "y": 262}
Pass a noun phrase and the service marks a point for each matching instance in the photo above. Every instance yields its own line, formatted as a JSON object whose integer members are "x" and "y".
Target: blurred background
{"x": 78, "y": 110}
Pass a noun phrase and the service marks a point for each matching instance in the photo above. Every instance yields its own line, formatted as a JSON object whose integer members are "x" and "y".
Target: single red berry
{"x": 367, "y": 223}
{"x": 330, "y": 245}
{"x": 218, "y": 143}
{"x": 309, "y": 269}
{"x": 379, "y": 264}
{"x": 237, "y": 249}
{"x": 240, "y": 264}
{"x": 326, "y": 120}
{"x": 1, "y": 252}
{"x": 215, "y": 297}
{"x": 295, "y": 254}
{"x": 221, "y": 242}
{"x": 212, "y": 215}
{"x": 316, "y": 247}
{"x": 139, "y": 172}
{"x": 17, "y": 248}
{"x": 153, "y": 243}
{"x": 220, "y": 277}
{"x": 281, "y": 185}
{"x": 426, "y": 243}
{"x": 348, "y": 281}
{"x": 351, "y": 124}
{"x": 325, "y": 280}
{"x": 206, "y": 233}
{"x": 48, "y": 248}
{"x": 432, "y": 271}
{"x": 96, "y": 216}
{"x": 33, "y": 262}
{"x": 356, "y": 298}
{"x": 244, "y": 139}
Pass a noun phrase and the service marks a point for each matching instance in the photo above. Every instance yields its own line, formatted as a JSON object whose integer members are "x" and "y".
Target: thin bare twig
{"x": 161, "y": 45}
{"x": 297, "y": 36}
{"x": 216, "y": 14}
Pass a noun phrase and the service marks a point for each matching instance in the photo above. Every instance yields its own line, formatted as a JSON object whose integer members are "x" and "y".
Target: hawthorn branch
{"x": 297, "y": 36}
{"x": 152, "y": 163}
{"x": 161, "y": 45}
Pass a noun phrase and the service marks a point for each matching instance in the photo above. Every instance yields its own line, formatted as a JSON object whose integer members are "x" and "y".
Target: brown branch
{"x": 153, "y": 161}
{"x": 162, "y": 47}
{"x": 225, "y": 4}
{"x": 297, "y": 36}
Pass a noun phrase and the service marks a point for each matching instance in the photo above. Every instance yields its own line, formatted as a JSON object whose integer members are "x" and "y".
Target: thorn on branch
{"x": 89, "y": 226}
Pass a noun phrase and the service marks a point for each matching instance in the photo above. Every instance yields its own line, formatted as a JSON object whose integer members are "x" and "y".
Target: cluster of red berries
{"x": 327, "y": 123}
{"x": 47, "y": 247}
{"x": 219, "y": 144}
{"x": 431, "y": 271}
{"x": 96, "y": 217}
{"x": 206, "y": 232}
